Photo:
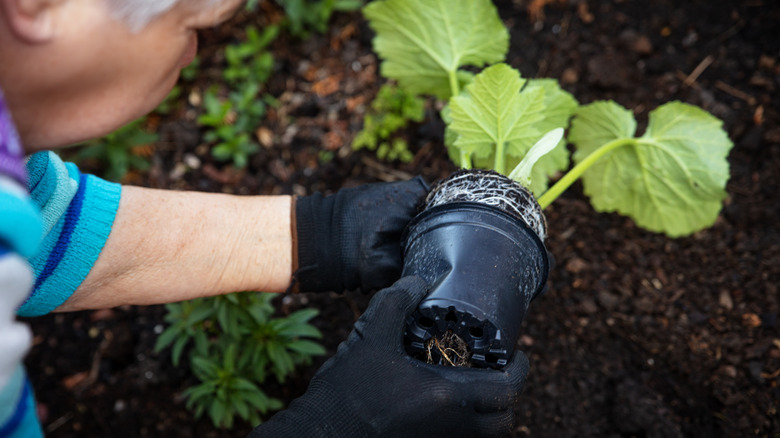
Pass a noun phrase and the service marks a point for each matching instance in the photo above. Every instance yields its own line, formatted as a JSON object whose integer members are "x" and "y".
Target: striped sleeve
{"x": 78, "y": 211}
{"x": 18, "y": 418}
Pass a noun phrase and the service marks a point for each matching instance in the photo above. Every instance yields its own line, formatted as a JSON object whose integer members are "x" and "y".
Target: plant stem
{"x": 465, "y": 160}
{"x": 465, "y": 157}
{"x": 498, "y": 163}
{"x": 454, "y": 86}
{"x": 556, "y": 190}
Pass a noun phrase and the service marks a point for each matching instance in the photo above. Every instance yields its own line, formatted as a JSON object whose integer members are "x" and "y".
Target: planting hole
{"x": 476, "y": 332}
{"x": 425, "y": 322}
{"x": 451, "y": 317}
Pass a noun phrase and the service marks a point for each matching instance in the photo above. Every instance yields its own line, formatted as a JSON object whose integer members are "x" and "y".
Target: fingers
{"x": 495, "y": 424}
{"x": 489, "y": 390}
{"x": 389, "y": 308}
{"x": 516, "y": 371}
{"x": 509, "y": 382}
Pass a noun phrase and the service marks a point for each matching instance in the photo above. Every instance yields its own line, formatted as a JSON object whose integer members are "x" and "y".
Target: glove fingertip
{"x": 404, "y": 296}
{"x": 517, "y": 370}
{"x": 414, "y": 288}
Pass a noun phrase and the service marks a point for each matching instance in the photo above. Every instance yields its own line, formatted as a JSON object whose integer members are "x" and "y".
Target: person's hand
{"x": 372, "y": 388}
{"x": 352, "y": 239}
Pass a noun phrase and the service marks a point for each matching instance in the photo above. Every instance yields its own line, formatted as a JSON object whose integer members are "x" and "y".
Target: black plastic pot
{"x": 484, "y": 265}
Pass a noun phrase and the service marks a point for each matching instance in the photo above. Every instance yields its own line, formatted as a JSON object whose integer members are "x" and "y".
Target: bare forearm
{"x": 168, "y": 246}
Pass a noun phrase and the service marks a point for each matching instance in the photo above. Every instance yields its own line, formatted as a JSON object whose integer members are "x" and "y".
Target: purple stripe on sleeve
{"x": 11, "y": 152}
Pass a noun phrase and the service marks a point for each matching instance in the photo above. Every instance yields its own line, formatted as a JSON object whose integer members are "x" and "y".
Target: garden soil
{"x": 639, "y": 335}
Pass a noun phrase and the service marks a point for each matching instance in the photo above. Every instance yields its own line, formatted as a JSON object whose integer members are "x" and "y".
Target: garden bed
{"x": 638, "y": 335}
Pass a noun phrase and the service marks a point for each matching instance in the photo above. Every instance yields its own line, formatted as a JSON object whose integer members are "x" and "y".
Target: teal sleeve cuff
{"x": 75, "y": 239}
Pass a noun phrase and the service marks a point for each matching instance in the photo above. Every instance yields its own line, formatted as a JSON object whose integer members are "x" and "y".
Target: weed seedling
{"x": 391, "y": 111}
{"x": 304, "y": 16}
{"x": 125, "y": 149}
{"x": 249, "y": 61}
{"x": 230, "y": 123}
{"x": 233, "y": 343}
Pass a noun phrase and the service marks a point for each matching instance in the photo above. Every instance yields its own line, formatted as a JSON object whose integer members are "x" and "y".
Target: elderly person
{"x": 71, "y": 70}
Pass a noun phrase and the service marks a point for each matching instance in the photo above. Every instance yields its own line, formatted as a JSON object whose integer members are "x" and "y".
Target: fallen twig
{"x": 691, "y": 78}
{"x": 739, "y": 94}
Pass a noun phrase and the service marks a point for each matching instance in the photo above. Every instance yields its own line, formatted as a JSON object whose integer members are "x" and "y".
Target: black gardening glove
{"x": 352, "y": 239}
{"x": 372, "y": 388}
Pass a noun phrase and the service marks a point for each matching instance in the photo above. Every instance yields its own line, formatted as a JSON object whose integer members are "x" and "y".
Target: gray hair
{"x": 138, "y": 13}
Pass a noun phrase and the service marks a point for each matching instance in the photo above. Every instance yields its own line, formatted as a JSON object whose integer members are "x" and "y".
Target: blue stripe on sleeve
{"x": 71, "y": 221}
{"x": 71, "y": 249}
{"x": 18, "y": 415}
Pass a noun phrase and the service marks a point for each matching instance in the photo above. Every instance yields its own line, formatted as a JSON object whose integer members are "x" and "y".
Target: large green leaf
{"x": 559, "y": 106}
{"x": 494, "y": 119}
{"x": 670, "y": 180}
{"x": 424, "y": 42}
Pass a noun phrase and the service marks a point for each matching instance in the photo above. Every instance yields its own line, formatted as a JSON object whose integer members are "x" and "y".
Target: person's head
{"x": 72, "y": 70}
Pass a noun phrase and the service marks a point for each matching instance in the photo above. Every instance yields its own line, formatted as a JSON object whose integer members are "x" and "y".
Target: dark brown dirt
{"x": 639, "y": 335}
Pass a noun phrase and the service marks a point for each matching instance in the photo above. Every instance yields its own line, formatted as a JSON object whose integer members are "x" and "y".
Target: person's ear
{"x": 31, "y": 20}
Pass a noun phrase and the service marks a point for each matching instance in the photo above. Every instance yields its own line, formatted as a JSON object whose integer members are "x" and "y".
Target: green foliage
{"x": 234, "y": 343}
{"x": 671, "y": 179}
{"x": 304, "y": 16}
{"x": 231, "y": 122}
{"x": 391, "y": 110}
{"x": 119, "y": 151}
{"x": 501, "y": 115}
{"x": 190, "y": 72}
{"x": 424, "y": 44}
{"x": 524, "y": 170}
{"x": 249, "y": 61}
{"x": 171, "y": 101}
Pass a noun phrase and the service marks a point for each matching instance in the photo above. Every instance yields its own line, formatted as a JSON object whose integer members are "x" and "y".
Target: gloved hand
{"x": 372, "y": 388}
{"x": 352, "y": 239}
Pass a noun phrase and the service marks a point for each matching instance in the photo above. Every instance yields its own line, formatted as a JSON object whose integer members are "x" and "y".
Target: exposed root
{"x": 448, "y": 350}
{"x": 490, "y": 188}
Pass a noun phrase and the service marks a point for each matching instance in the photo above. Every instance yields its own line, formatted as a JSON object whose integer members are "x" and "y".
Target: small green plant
{"x": 391, "y": 110}
{"x": 190, "y": 72}
{"x": 671, "y": 179}
{"x": 233, "y": 344}
{"x": 230, "y": 122}
{"x": 171, "y": 101}
{"x": 304, "y": 16}
{"x": 249, "y": 61}
{"x": 119, "y": 152}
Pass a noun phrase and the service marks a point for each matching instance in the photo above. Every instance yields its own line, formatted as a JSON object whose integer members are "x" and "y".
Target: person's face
{"x": 93, "y": 74}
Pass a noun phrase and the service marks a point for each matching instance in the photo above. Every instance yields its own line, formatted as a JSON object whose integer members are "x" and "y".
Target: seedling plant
{"x": 230, "y": 122}
{"x": 250, "y": 62}
{"x": 671, "y": 179}
{"x": 391, "y": 110}
{"x": 303, "y": 16}
{"x": 127, "y": 148}
{"x": 233, "y": 343}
